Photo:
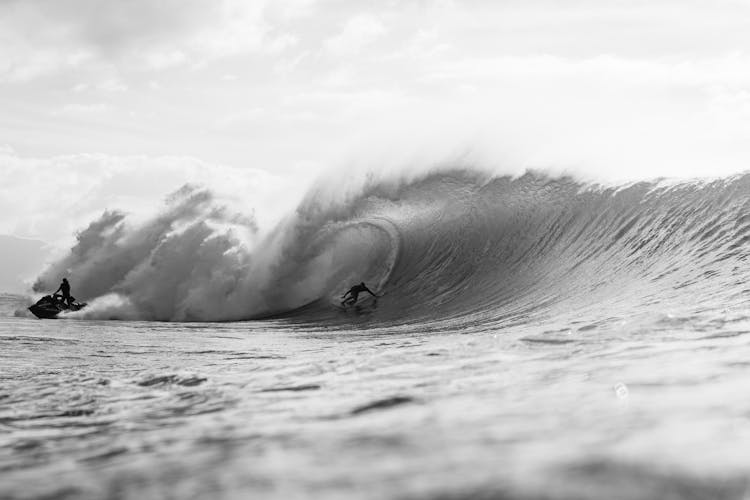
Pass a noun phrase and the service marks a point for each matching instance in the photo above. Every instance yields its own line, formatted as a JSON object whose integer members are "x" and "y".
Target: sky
{"x": 114, "y": 104}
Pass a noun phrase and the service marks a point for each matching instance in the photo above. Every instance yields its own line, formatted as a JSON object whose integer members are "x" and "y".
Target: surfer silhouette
{"x": 353, "y": 294}
{"x": 64, "y": 288}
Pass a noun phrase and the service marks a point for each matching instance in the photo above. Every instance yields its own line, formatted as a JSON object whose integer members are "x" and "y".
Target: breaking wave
{"x": 449, "y": 247}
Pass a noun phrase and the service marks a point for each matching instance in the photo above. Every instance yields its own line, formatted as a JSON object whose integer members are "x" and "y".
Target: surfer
{"x": 353, "y": 294}
{"x": 64, "y": 288}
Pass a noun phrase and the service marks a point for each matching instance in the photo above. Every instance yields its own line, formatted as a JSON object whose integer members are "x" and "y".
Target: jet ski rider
{"x": 64, "y": 288}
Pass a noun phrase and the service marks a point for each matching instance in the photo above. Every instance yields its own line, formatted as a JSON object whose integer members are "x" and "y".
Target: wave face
{"x": 487, "y": 251}
{"x": 454, "y": 246}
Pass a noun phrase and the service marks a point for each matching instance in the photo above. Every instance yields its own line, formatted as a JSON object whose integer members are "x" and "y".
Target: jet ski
{"x": 49, "y": 306}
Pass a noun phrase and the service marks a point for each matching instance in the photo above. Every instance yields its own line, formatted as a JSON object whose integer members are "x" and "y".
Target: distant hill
{"x": 20, "y": 259}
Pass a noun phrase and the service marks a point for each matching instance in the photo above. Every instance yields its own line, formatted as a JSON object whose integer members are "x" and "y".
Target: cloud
{"x": 287, "y": 10}
{"x": 730, "y": 69}
{"x": 609, "y": 84}
{"x": 52, "y": 198}
{"x": 43, "y": 37}
{"x": 357, "y": 33}
{"x": 83, "y": 109}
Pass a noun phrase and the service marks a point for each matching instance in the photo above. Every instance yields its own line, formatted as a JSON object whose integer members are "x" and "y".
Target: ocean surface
{"x": 537, "y": 338}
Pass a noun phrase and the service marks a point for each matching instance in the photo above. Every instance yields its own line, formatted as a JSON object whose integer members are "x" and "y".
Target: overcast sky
{"x": 116, "y": 103}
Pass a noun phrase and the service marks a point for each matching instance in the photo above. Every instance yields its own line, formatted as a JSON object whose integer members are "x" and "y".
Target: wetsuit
{"x": 65, "y": 290}
{"x": 354, "y": 292}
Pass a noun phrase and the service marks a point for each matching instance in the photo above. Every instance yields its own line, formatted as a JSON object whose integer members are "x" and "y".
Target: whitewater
{"x": 537, "y": 337}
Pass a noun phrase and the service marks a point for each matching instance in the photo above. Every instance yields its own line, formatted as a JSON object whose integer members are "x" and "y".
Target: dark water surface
{"x": 653, "y": 407}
